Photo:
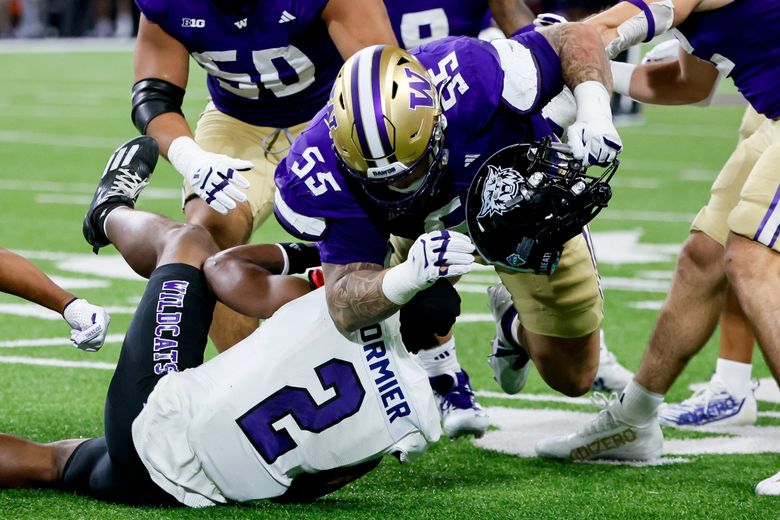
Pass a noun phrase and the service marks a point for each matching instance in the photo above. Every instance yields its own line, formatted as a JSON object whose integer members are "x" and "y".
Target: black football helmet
{"x": 527, "y": 200}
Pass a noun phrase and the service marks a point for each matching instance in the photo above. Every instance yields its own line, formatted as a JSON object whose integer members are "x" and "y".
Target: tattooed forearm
{"x": 354, "y": 294}
{"x": 581, "y": 52}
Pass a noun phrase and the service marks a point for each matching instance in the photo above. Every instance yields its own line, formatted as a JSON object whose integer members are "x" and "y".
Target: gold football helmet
{"x": 386, "y": 125}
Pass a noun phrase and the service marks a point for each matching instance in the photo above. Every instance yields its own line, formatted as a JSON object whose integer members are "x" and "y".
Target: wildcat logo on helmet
{"x": 501, "y": 186}
{"x": 420, "y": 93}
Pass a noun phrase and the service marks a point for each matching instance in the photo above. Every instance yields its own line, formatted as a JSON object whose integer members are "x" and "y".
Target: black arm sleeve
{"x": 152, "y": 97}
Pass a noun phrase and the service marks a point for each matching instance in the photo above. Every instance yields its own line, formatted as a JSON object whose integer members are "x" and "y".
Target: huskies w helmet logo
{"x": 501, "y": 187}
{"x": 420, "y": 92}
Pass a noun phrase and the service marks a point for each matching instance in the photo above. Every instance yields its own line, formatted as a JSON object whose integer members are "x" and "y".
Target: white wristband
{"x": 621, "y": 77}
{"x": 396, "y": 285}
{"x": 181, "y": 153}
{"x": 286, "y": 268}
{"x": 592, "y": 101}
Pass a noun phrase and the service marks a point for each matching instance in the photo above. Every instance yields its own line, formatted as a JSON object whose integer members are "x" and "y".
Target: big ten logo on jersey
{"x": 197, "y": 23}
{"x": 383, "y": 373}
{"x": 283, "y": 71}
{"x": 448, "y": 80}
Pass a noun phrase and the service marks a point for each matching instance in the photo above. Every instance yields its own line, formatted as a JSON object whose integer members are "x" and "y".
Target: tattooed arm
{"x": 354, "y": 295}
{"x": 362, "y": 293}
{"x": 586, "y": 71}
{"x": 581, "y": 53}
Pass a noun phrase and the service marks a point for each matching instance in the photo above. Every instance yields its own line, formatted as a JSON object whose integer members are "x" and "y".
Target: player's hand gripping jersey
{"x": 490, "y": 94}
{"x": 295, "y": 397}
{"x": 269, "y": 63}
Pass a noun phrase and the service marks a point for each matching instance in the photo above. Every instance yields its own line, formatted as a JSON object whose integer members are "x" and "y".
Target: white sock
{"x": 735, "y": 375}
{"x": 638, "y": 404}
{"x": 440, "y": 360}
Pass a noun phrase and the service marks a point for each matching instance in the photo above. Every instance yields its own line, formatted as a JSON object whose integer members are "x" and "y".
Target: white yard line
{"x": 53, "y": 342}
{"x": 49, "y": 362}
{"x": 66, "y": 45}
{"x": 69, "y": 141}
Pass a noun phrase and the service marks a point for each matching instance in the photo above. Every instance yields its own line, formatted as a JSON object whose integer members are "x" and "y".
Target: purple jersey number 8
{"x": 257, "y": 423}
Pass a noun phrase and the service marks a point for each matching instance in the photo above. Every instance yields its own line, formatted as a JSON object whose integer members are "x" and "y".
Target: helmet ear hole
{"x": 394, "y": 91}
{"x": 341, "y": 101}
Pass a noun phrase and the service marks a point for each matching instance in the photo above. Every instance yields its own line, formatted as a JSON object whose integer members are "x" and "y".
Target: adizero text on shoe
{"x": 461, "y": 414}
{"x": 126, "y": 173}
{"x": 509, "y": 363}
{"x": 606, "y": 437}
{"x": 712, "y": 405}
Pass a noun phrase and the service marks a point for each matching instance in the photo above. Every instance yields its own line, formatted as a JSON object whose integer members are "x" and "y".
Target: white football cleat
{"x": 461, "y": 414}
{"x": 606, "y": 437}
{"x": 510, "y": 364}
{"x": 611, "y": 375}
{"x": 712, "y": 405}
{"x": 769, "y": 486}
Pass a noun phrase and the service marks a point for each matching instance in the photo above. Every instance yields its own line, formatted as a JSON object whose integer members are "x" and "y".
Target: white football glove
{"x": 434, "y": 255}
{"x": 637, "y": 28}
{"x": 214, "y": 177}
{"x": 88, "y": 324}
{"x": 561, "y": 111}
{"x": 664, "y": 51}
{"x": 592, "y": 137}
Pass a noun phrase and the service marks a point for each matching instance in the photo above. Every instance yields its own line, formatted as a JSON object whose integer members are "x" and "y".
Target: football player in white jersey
{"x": 295, "y": 411}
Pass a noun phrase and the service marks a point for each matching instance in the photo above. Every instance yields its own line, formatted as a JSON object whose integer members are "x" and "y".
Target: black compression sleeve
{"x": 152, "y": 97}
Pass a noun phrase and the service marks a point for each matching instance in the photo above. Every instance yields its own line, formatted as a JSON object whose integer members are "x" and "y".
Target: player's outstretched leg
{"x": 145, "y": 240}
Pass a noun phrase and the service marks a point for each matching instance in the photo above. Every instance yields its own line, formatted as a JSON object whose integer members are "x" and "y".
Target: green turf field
{"x": 61, "y": 116}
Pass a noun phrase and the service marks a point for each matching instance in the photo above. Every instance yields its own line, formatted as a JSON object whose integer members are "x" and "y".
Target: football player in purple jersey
{"x": 395, "y": 152}
{"x": 416, "y": 23}
{"x": 20, "y": 277}
{"x": 734, "y": 238}
{"x": 270, "y": 66}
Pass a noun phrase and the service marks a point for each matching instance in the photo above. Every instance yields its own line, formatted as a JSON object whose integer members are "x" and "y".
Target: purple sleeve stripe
{"x": 766, "y": 218}
{"x": 648, "y": 14}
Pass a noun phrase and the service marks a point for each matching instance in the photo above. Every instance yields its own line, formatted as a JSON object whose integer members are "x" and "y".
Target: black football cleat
{"x": 127, "y": 172}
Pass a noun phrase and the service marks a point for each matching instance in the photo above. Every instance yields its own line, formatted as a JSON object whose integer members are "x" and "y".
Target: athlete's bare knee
{"x": 740, "y": 264}
{"x": 574, "y": 385}
{"x": 227, "y": 230}
{"x": 189, "y": 244}
{"x": 700, "y": 256}
{"x": 569, "y": 377}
